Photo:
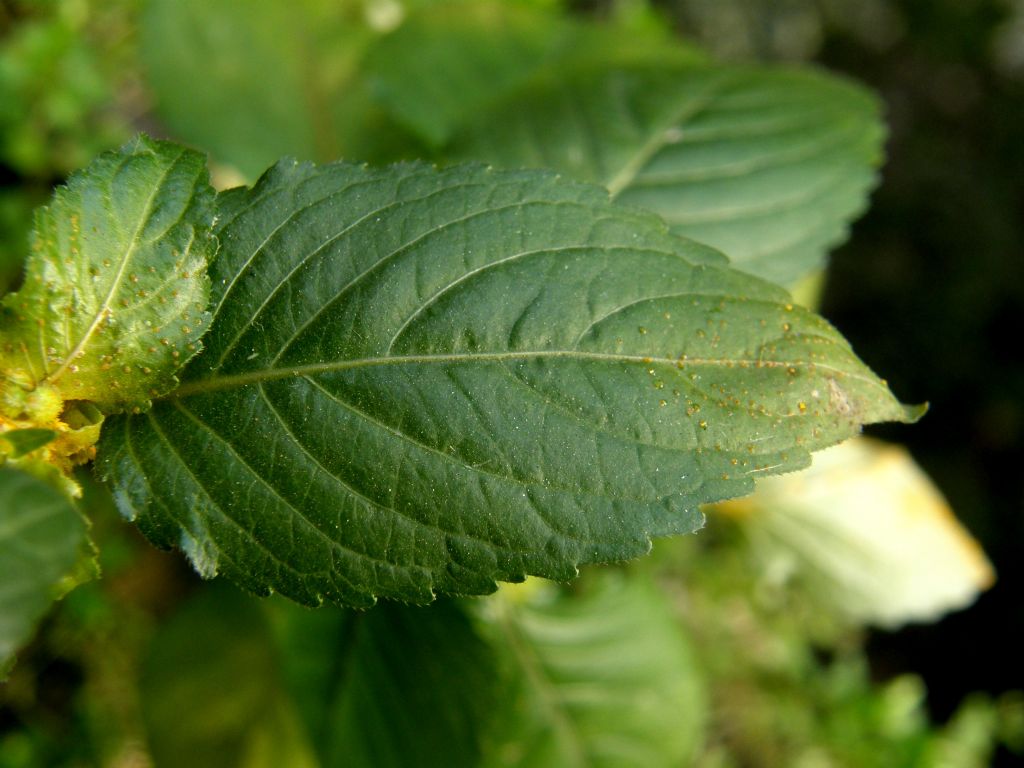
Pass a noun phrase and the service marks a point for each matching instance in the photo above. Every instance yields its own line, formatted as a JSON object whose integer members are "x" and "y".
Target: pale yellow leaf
{"x": 866, "y": 525}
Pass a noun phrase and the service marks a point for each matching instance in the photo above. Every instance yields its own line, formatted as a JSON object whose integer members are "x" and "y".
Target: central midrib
{"x": 687, "y": 110}
{"x": 233, "y": 381}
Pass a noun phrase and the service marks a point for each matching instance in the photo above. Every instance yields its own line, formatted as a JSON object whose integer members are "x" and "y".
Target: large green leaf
{"x": 422, "y": 380}
{"x": 42, "y": 541}
{"x": 115, "y": 294}
{"x": 769, "y": 165}
{"x": 602, "y": 679}
{"x": 229, "y": 682}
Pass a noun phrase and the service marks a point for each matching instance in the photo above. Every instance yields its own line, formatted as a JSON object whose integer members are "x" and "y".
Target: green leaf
{"x": 448, "y": 62}
{"x": 115, "y": 294}
{"x": 233, "y": 682}
{"x": 24, "y": 441}
{"x": 769, "y": 165}
{"x": 16, "y": 205}
{"x": 212, "y": 695}
{"x": 422, "y": 380}
{"x": 42, "y": 542}
{"x": 604, "y": 679}
{"x": 252, "y": 82}
{"x": 403, "y": 685}
{"x": 322, "y": 79}
{"x": 437, "y": 68}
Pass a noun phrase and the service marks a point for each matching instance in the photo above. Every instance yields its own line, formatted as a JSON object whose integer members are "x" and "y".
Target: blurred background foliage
{"x": 772, "y": 669}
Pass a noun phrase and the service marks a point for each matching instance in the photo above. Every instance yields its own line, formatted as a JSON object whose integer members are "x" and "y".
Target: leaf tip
{"x": 913, "y": 413}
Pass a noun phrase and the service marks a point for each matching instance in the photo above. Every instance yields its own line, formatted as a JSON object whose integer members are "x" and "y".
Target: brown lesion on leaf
{"x": 838, "y": 399}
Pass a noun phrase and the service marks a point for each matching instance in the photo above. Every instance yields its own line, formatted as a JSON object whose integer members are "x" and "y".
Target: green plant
{"x": 349, "y": 382}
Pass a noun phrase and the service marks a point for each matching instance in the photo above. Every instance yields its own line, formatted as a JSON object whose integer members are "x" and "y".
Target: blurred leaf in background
{"x": 602, "y": 675}
{"x": 72, "y": 699}
{"x": 231, "y": 681}
{"x": 768, "y": 165}
{"x": 253, "y": 82}
{"x": 373, "y": 80}
{"x": 867, "y": 528}
{"x": 16, "y": 207}
{"x": 789, "y": 680}
{"x": 44, "y": 553}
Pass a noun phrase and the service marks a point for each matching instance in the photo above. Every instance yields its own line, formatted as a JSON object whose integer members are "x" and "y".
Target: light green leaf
{"x": 604, "y": 679}
{"x": 422, "y": 380}
{"x": 233, "y": 682}
{"x": 322, "y": 79}
{"x": 437, "y": 68}
{"x": 115, "y": 294}
{"x": 253, "y": 82}
{"x": 42, "y": 541}
{"x": 868, "y": 533}
{"x": 446, "y": 63}
{"x": 769, "y": 165}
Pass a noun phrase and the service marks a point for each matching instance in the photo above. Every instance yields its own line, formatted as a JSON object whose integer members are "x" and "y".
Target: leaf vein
{"x": 105, "y": 306}
{"x": 336, "y": 545}
{"x": 405, "y": 247}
